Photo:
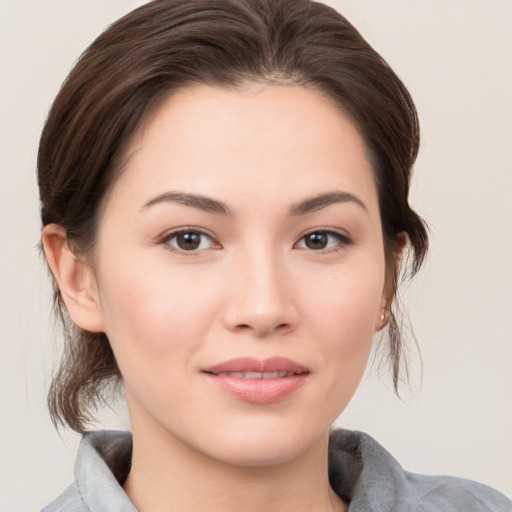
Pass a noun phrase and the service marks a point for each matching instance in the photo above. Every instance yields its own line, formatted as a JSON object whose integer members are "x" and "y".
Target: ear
{"x": 75, "y": 279}
{"x": 392, "y": 272}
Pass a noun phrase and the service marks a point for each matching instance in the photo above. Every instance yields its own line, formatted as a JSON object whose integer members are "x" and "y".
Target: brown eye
{"x": 321, "y": 240}
{"x": 189, "y": 241}
{"x": 316, "y": 240}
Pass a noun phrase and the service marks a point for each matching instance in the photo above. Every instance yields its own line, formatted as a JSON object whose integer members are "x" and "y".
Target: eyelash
{"x": 166, "y": 240}
{"x": 342, "y": 241}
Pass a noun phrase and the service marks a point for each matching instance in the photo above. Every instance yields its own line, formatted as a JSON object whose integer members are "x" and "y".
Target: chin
{"x": 263, "y": 446}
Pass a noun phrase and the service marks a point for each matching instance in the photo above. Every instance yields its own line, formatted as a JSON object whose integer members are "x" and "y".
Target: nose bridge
{"x": 261, "y": 301}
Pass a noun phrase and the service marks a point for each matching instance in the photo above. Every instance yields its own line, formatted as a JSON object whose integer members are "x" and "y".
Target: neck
{"x": 169, "y": 475}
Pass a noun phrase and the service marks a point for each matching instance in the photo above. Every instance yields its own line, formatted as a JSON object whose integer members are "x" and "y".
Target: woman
{"x": 224, "y": 198}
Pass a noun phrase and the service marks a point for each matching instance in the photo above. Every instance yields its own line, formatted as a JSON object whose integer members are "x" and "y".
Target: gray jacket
{"x": 360, "y": 470}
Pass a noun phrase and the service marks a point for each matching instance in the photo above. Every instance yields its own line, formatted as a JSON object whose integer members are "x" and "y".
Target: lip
{"x": 258, "y": 388}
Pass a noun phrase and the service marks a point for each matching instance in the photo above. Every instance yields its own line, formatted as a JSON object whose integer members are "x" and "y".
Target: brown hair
{"x": 168, "y": 44}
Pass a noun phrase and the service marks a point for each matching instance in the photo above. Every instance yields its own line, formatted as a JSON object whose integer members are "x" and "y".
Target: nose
{"x": 262, "y": 302}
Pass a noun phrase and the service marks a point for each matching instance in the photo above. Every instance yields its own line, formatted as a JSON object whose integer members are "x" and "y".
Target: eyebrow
{"x": 320, "y": 201}
{"x": 192, "y": 200}
{"x": 209, "y": 205}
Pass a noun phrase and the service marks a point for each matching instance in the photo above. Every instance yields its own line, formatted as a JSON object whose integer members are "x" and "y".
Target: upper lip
{"x": 252, "y": 364}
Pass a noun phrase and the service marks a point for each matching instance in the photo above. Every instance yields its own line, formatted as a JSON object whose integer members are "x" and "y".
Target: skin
{"x": 252, "y": 287}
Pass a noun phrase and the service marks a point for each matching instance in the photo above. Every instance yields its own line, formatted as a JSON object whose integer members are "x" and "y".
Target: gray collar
{"x": 360, "y": 470}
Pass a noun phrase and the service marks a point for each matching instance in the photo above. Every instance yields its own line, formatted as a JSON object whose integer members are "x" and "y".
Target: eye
{"x": 322, "y": 239}
{"x": 189, "y": 240}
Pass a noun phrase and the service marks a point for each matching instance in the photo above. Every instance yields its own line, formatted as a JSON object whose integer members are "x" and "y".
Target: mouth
{"x": 256, "y": 375}
{"x": 258, "y": 381}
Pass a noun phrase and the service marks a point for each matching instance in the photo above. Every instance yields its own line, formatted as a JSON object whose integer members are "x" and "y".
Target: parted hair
{"x": 165, "y": 45}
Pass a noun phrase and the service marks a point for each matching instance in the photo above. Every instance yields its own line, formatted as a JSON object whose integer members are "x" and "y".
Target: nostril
{"x": 260, "y": 318}
{"x": 282, "y": 327}
{"x": 263, "y": 330}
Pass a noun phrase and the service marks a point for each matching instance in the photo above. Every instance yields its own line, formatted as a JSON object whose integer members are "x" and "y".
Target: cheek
{"x": 350, "y": 331}
{"x": 342, "y": 310}
{"x": 346, "y": 301}
{"x": 155, "y": 317}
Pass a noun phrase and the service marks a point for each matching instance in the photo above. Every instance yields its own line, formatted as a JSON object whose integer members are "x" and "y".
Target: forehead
{"x": 261, "y": 141}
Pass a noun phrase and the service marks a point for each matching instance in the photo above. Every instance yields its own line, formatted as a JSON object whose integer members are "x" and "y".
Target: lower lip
{"x": 259, "y": 391}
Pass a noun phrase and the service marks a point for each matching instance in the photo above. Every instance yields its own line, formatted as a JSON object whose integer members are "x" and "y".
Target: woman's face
{"x": 240, "y": 271}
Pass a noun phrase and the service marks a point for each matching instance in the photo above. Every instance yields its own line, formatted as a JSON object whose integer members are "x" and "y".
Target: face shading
{"x": 240, "y": 271}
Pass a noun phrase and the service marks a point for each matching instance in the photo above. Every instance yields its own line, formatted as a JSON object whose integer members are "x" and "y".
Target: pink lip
{"x": 251, "y": 364}
{"x": 258, "y": 390}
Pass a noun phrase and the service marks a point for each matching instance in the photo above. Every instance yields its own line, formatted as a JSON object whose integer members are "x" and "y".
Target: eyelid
{"x": 343, "y": 238}
{"x": 169, "y": 235}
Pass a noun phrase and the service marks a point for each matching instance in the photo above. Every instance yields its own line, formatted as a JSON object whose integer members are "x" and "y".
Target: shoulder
{"x": 446, "y": 493}
{"x": 69, "y": 501}
{"x": 102, "y": 464}
{"x": 365, "y": 473}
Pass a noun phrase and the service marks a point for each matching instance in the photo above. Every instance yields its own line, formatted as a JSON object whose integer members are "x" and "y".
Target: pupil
{"x": 316, "y": 241}
{"x": 189, "y": 241}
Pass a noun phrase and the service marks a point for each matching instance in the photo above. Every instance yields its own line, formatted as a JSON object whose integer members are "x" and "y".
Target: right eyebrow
{"x": 192, "y": 200}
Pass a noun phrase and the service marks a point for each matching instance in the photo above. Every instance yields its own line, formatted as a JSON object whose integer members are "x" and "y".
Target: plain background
{"x": 455, "y": 56}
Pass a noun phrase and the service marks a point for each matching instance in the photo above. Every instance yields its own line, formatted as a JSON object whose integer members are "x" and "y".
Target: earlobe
{"x": 75, "y": 279}
{"x": 393, "y": 272}
{"x": 383, "y": 318}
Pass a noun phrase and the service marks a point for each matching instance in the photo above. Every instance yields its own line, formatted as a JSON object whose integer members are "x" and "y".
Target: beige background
{"x": 455, "y": 56}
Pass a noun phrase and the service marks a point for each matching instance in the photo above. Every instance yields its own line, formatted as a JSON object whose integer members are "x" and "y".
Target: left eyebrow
{"x": 320, "y": 201}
